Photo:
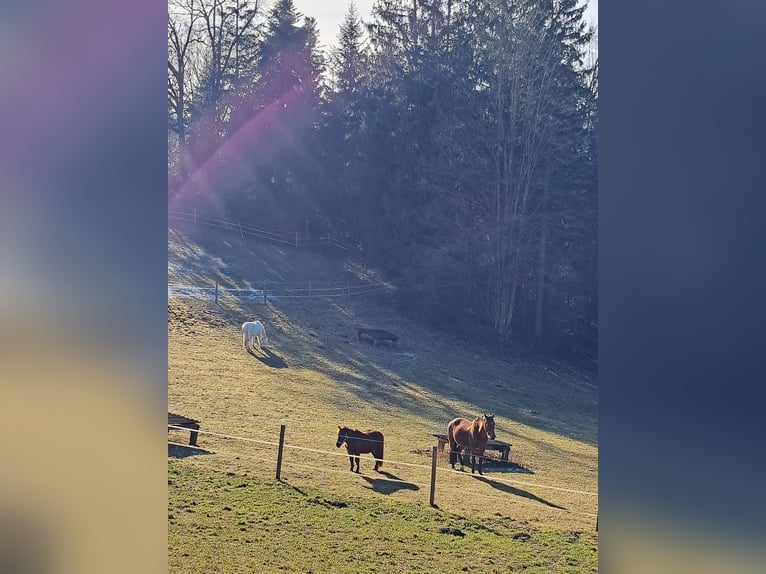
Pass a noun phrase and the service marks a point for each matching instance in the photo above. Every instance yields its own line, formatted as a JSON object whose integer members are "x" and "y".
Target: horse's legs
{"x": 455, "y": 454}
{"x": 460, "y": 457}
{"x": 357, "y": 463}
{"x": 351, "y": 459}
{"x": 476, "y": 460}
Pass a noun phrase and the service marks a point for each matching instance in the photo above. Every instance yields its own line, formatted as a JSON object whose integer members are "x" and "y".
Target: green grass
{"x": 320, "y": 376}
{"x": 220, "y": 523}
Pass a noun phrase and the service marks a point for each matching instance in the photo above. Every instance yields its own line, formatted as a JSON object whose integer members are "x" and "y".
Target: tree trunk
{"x": 538, "y": 333}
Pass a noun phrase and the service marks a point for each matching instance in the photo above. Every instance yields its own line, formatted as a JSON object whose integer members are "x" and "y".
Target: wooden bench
{"x": 185, "y": 422}
{"x": 503, "y": 447}
{"x": 375, "y": 335}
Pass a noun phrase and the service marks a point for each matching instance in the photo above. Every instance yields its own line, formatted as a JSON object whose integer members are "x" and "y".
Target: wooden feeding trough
{"x": 373, "y": 336}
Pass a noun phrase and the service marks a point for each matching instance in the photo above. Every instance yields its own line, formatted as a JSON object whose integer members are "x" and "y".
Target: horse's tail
{"x": 452, "y": 442}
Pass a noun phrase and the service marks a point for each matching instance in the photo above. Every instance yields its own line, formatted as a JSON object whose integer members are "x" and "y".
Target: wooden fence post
{"x": 279, "y": 453}
{"x": 433, "y": 476}
{"x": 216, "y": 291}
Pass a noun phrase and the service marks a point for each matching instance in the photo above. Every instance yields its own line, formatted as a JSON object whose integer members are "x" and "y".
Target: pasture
{"x": 316, "y": 376}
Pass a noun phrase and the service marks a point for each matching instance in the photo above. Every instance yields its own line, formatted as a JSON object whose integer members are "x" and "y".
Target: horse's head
{"x": 342, "y": 436}
{"x": 489, "y": 423}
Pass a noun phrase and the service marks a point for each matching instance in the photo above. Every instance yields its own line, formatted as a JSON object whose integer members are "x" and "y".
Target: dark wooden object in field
{"x": 375, "y": 335}
{"x": 185, "y": 422}
{"x": 503, "y": 447}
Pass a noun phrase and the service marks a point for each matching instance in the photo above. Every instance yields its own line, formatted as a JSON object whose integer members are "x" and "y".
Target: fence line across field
{"x": 295, "y": 237}
{"x": 421, "y": 484}
{"x": 390, "y": 461}
{"x": 280, "y": 463}
{"x": 276, "y": 292}
{"x": 323, "y": 470}
{"x": 292, "y": 237}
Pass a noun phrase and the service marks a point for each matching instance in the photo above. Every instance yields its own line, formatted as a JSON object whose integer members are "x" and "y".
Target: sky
{"x": 329, "y": 15}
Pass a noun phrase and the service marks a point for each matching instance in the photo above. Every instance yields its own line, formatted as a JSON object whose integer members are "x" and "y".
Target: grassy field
{"x": 317, "y": 376}
{"x": 264, "y": 526}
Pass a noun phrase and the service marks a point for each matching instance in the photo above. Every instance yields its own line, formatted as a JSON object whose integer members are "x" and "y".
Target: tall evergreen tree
{"x": 343, "y": 129}
{"x": 275, "y": 118}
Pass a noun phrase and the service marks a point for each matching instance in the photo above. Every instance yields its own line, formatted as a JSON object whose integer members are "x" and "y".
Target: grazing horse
{"x": 358, "y": 442}
{"x": 253, "y": 331}
{"x": 463, "y": 433}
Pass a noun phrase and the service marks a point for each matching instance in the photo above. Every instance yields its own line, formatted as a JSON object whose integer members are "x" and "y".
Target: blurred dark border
{"x": 682, "y": 273}
{"x": 83, "y": 253}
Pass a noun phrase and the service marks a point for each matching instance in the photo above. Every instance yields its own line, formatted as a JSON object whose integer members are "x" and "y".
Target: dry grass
{"x": 317, "y": 376}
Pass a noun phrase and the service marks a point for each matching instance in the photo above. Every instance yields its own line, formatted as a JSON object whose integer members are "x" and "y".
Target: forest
{"x": 451, "y": 144}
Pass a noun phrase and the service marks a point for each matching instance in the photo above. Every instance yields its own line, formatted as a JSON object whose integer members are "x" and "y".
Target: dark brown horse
{"x": 473, "y": 435}
{"x": 358, "y": 442}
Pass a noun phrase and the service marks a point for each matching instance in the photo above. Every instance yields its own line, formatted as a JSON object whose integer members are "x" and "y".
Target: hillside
{"x": 318, "y": 375}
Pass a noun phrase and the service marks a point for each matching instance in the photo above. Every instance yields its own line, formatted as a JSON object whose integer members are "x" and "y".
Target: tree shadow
{"x": 269, "y": 358}
{"x": 516, "y": 491}
{"x": 185, "y": 451}
{"x": 388, "y": 485}
{"x": 543, "y": 400}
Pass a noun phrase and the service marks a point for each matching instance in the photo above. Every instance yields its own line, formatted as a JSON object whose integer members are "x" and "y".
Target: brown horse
{"x": 358, "y": 442}
{"x": 463, "y": 433}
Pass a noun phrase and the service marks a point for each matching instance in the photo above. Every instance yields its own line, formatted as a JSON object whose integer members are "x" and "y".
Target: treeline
{"x": 453, "y": 142}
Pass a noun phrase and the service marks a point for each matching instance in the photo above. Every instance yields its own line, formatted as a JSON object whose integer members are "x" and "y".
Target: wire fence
{"x": 267, "y": 290}
{"x": 293, "y": 238}
{"x": 417, "y": 473}
{"x": 270, "y": 291}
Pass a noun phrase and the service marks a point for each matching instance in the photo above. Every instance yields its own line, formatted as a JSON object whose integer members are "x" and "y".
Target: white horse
{"x": 253, "y": 331}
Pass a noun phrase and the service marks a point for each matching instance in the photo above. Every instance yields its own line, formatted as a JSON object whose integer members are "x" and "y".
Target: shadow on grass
{"x": 516, "y": 491}
{"x": 269, "y": 358}
{"x": 184, "y": 451}
{"x": 284, "y": 484}
{"x": 428, "y": 374}
{"x": 391, "y": 483}
{"x": 496, "y": 465}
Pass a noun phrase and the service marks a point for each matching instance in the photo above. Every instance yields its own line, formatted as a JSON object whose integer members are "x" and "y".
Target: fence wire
{"x": 344, "y": 454}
